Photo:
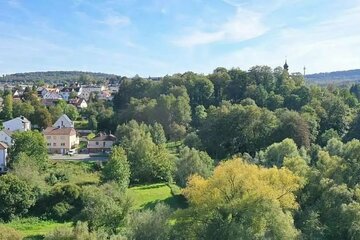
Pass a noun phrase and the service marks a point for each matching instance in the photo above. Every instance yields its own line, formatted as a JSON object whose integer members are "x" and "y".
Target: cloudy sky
{"x": 158, "y": 37}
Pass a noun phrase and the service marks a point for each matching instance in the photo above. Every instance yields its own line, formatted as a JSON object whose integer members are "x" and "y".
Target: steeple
{"x": 286, "y": 66}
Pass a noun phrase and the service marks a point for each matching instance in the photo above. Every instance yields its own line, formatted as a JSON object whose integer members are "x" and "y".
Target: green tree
{"x": 56, "y": 112}
{"x": 105, "y": 207}
{"x": 148, "y": 162}
{"x": 150, "y": 224}
{"x": 220, "y": 78}
{"x": 190, "y": 162}
{"x": 42, "y": 117}
{"x": 158, "y": 133}
{"x": 117, "y": 168}
{"x": 275, "y": 154}
{"x": 240, "y": 201}
{"x": 92, "y": 124}
{"x": 8, "y": 107}
{"x": 293, "y": 126}
{"x": 72, "y": 112}
{"x": 31, "y": 143}
{"x": 16, "y": 197}
{"x": 23, "y": 109}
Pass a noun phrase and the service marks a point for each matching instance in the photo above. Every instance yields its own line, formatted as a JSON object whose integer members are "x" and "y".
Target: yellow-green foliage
{"x": 235, "y": 179}
{"x": 8, "y": 233}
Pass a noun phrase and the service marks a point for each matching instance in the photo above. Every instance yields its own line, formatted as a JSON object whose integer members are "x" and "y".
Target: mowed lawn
{"x": 87, "y": 173}
{"x": 147, "y": 196}
{"x": 33, "y": 228}
{"x": 144, "y": 197}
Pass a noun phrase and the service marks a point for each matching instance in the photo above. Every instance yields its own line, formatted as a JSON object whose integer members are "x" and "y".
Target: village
{"x": 64, "y": 140}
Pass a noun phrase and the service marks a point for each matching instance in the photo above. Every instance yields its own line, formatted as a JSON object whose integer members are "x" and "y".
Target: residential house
{"x": 79, "y": 103}
{"x": 101, "y": 142}
{"x": 105, "y": 95}
{"x": 17, "y": 94}
{"x": 63, "y": 121}
{"x": 114, "y": 88}
{"x": 66, "y": 92}
{"x": 5, "y": 137}
{"x": 50, "y": 102}
{"x": 87, "y": 90}
{"x": 17, "y": 124}
{"x": 3, "y": 157}
{"x": 60, "y": 139}
{"x": 51, "y": 96}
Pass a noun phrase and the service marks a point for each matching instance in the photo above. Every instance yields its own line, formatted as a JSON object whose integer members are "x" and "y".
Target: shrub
{"x": 7, "y": 233}
{"x": 150, "y": 224}
{"x": 16, "y": 197}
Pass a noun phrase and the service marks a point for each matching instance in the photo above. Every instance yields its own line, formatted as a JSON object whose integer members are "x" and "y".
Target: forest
{"x": 257, "y": 154}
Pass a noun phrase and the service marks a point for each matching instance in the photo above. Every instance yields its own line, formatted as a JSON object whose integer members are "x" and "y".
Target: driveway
{"x": 79, "y": 157}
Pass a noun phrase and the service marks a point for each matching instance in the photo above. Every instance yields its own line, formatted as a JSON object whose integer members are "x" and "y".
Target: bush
{"x": 105, "y": 207}
{"x": 150, "y": 224}
{"x": 80, "y": 232}
{"x": 117, "y": 168}
{"x": 56, "y": 177}
{"x": 192, "y": 161}
{"x": 16, "y": 197}
{"x": 7, "y": 233}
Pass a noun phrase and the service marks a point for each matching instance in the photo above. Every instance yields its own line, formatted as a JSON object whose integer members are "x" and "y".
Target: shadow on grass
{"x": 174, "y": 202}
{"x": 150, "y": 186}
{"x": 35, "y": 237}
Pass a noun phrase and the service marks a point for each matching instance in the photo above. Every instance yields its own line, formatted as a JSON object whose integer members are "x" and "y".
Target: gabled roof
{"x": 59, "y": 131}
{"x": 7, "y": 132}
{"x": 3, "y": 145}
{"x": 22, "y": 118}
{"x": 66, "y": 117}
{"x": 103, "y": 137}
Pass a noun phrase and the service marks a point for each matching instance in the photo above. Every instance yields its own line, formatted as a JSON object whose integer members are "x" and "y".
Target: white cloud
{"x": 244, "y": 25}
{"x": 115, "y": 21}
{"x": 326, "y": 46}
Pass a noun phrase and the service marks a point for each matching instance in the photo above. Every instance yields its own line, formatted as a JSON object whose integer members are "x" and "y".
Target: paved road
{"x": 78, "y": 156}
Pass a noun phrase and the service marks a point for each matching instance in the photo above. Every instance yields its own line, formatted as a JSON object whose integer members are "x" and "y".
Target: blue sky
{"x": 158, "y": 37}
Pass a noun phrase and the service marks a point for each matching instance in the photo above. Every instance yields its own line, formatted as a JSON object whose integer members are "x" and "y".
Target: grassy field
{"x": 147, "y": 196}
{"x": 33, "y": 228}
{"x": 79, "y": 172}
{"x": 85, "y": 173}
{"x": 83, "y": 124}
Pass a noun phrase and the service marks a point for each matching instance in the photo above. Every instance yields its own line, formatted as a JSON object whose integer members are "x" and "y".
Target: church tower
{"x": 286, "y": 66}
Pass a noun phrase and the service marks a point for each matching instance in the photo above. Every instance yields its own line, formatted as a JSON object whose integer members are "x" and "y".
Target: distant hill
{"x": 53, "y": 76}
{"x": 337, "y": 77}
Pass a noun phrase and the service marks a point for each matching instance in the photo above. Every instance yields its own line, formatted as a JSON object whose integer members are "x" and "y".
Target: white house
{"x": 3, "y": 157}
{"x": 17, "y": 124}
{"x": 67, "y": 91}
{"x": 5, "y": 137}
{"x": 63, "y": 121}
{"x": 105, "y": 95}
{"x": 102, "y": 142}
{"x": 60, "y": 140}
{"x": 79, "y": 103}
{"x": 52, "y": 96}
{"x": 87, "y": 90}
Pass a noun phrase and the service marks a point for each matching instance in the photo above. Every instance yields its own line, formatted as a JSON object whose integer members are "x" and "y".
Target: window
{"x": 97, "y": 143}
{"x": 48, "y": 137}
{"x": 54, "y": 144}
{"x": 49, "y": 144}
{"x": 54, "y": 137}
{"x": 62, "y": 144}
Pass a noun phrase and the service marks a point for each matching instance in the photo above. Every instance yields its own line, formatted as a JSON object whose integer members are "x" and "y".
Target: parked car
{"x": 71, "y": 152}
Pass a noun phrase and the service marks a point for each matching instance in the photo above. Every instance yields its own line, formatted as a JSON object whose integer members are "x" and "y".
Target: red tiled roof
{"x": 59, "y": 131}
